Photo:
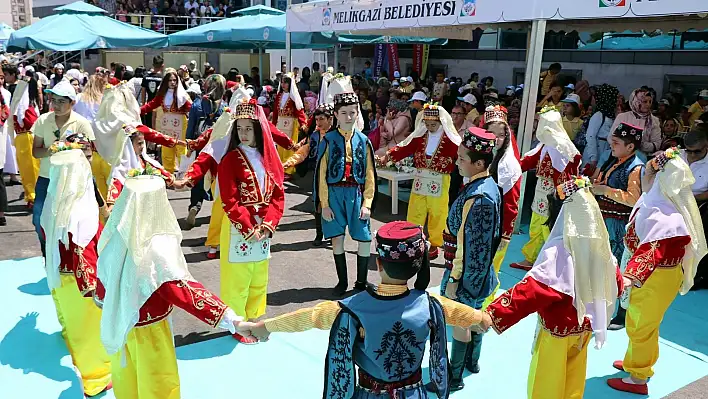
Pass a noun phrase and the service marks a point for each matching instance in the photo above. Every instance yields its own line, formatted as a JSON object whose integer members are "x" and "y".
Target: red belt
{"x": 378, "y": 387}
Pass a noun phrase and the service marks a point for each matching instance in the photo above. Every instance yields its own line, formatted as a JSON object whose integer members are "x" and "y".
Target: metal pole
{"x": 534, "y": 57}
{"x": 83, "y": 56}
{"x": 336, "y": 59}
{"x": 260, "y": 66}
{"x": 287, "y": 46}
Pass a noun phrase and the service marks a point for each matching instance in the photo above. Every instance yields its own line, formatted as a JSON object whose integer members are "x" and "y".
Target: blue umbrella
{"x": 80, "y": 26}
{"x": 5, "y": 31}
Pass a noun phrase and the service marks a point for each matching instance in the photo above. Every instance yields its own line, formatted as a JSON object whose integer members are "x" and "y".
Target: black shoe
{"x": 318, "y": 230}
{"x": 362, "y": 272}
{"x": 454, "y": 387}
{"x": 3, "y": 221}
{"x": 699, "y": 283}
{"x": 474, "y": 350}
{"x": 340, "y": 263}
{"x": 617, "y": 323}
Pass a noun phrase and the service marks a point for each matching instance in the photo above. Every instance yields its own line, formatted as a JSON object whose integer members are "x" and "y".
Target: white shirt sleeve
{"x": 227, "y": 322}
{"x": 591, "y": 137}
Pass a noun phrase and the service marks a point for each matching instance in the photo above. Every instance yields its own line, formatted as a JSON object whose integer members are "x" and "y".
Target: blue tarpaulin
{"x": 80, "y": 26}
{"x": 5, "y": 31}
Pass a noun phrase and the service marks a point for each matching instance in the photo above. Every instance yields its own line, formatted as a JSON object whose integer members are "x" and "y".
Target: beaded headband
{"x": 348, "y": 98}
{"x": 246, "y": 110}
{"x": 570, "y": 187}
{"x": 431, "y": 112}
{"x": 495, "y": 113}
{"x": 660, "y": 161}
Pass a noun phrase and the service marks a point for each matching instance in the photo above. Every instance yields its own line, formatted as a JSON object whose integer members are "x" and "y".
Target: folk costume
{"x": 555, "y": 160}
{"x": 251, "y": 190}
{"x": 173, "y": 109}
{"x": 24, "y": 115}
{"x": 573, "y": 286}
{"x": 72, "y": 230}
{"x": 142, "y": 276}
{"x": 289, "y": 116}
{"x": 434, "y": 156}
{"x": 383, "y": 331}
{"x": 307, "y": 153}
{"x": 666, "y": 240}
{"x": 472, "y": 236}
{"x": 345, "y": 182}
{"x": 507, "y": 173}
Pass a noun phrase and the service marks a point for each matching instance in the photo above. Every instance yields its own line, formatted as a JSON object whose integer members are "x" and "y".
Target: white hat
{"x": 469, "y": 98}
{"x": 572, "y": 98}
{"x": 29, "y": 68}
{"x": 405, "y": 79}
{"x": 570, "y": 86}
{"x": 195, "y": 88}
{"x": 193, "y": 62}
{"x": 420, "y": 96}
{"x": 63, "y": 89}
{"x": 703, "y": 94}
{"x": 396, "y": 74}
{"x": 58, "y": 66}
{"x": 129, "y": 68}
{"x": 395, "y": 83}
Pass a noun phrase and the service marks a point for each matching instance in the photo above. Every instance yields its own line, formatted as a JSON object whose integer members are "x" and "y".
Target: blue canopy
{"x": 661, "y": 42}
{"x": 80, "y": 26}
{"x": 373, "y": 39}
{"x": 5, "y": 31}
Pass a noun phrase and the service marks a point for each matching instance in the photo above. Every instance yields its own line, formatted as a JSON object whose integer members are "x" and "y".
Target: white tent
{"x": 457, "y": 19}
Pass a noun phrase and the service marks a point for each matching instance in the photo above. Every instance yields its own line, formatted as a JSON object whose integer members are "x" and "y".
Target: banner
{"x": 418, "y": 59}
{"x": 378, "y": 59}
{"x": 393, "y": 62}
{"x": 424, "y": 62}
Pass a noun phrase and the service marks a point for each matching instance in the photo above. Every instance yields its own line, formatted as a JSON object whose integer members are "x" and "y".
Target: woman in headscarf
{"x": 582, "y": 89}
{"x": 666, "y": 241}
{"x": 573, "y": 286}
{"x": 640, "y": 103}
{"x": 174, "y": 102}
{"x": 597, "y": 149}
{"x": 396, "y": 126}
{"x": 289, "y": 116}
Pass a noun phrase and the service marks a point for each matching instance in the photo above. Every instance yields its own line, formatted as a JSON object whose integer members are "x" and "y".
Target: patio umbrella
{"x": 5, "y": 31}
{"x": 81, "y": 26}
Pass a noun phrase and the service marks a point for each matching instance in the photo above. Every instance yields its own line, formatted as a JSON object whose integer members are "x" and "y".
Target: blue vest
{"x": 396, "y": 330}
{"x": 314, "y": 149}
{"x": 336, "y": 147}
{"x": 482, "y": 235}
{"x": 619, "y": 179}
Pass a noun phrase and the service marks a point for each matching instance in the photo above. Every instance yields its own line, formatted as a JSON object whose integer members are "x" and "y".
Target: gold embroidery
{"x": 575, "y": 330}
{"x": 84, "y": 272}
{"x": 202, "y": 298}
{"x": 149, "y": 319}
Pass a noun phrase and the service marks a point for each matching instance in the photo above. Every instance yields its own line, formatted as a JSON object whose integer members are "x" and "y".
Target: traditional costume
{"x": 666, "y": 240}
{"x": 251, "y": 190}
{"x": 345, "y": 182}
{"x": 24, "y": 115}
{"x": 472, "y": 236}
{"x": 383, "y": 331}
{"x": 434, "y": 156}
{"x": 143, "y": 276}
{"x": 72, "y": 230}
{"x": 171, "y": 119}
{"x": 573, "y": 286}
{"x": 289, "y": 116}
{"x": 555, "y": 160}
{"x": 507, "y": 172}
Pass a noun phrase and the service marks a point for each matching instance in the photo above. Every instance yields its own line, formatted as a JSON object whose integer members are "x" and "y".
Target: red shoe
{"x": 212, "y": 255}
{"x": 433, "y": 253}
{"x": 109, "y": 386}
{"x": 245, "y": 340}
{"x": 618, "y": 364}
{"x": 619, "y": 385}
{"x": 30, "y": 206}
{"x": 520, "y": 266}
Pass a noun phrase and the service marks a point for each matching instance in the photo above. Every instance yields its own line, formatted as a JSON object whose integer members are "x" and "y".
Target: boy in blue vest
{"x": 617, "y": 187}
{"x": 345, "y": 186}
{"x": 383, "y": 331}
{"x": 472, "y": 237}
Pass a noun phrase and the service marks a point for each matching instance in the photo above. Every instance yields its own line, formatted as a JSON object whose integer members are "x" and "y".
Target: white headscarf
{"x": 294, "y": 92}
{"x": 342, "y": 84}
{"x": 19, "y": 104}
{"x": 70, "y": 207}
{"x": 180, "y": 92}
{"x": 139, "y": 250}
{"x": 447, "y": 125}
{"x": 577, "y": 261}
{"x": 118, "y": 108}
{"x": 669, "y": 210}
{"x": 554, "y": 140}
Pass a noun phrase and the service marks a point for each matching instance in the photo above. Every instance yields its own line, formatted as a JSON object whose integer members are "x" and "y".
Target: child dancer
{"x": 383, "y": 331}
{"x": 289, "y": 115}
{"x": 573, "y": 287}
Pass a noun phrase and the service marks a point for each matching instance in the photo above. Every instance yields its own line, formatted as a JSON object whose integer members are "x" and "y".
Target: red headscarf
{"x": 271, "y": 160}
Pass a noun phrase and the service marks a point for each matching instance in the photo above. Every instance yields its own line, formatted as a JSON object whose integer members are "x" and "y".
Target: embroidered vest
{"x": 337, "y": 156}
{"x": 396, "y": 330}
{"x": 482, "y": 235}
{"x": 619, "y": 179}
{"x": 314, "y": 146}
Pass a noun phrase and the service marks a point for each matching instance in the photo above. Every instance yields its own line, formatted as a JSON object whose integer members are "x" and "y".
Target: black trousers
{"x": 702, "y": 272}
{"x": 197, "y": 195}
{"x": 3, "y": 193}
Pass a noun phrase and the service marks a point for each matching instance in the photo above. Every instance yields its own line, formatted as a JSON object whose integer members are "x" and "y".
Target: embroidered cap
{"x": 78, "y": 138}
{"x": 625, "y": 130}
{"x": 347, "y": 98}
{"x": 662, "y": 159}
{"x": 431, "y": 112}
{"x": 246, "y": 110}
{"x": 479, "y": 140}
{"x": 495, "y": 113}
{"x": 570, "y": 187}
{"x": 324, "y": 109}
{"x": 401, "y": 246}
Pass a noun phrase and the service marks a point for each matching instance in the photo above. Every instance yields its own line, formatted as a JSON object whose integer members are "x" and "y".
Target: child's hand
{"x": 259, "y": 331}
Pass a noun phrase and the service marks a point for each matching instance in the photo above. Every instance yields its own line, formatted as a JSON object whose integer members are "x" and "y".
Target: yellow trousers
{"x": 101, "y": 172}
{"x": 538, "y": 234}
{"x": 217, "y": 214}
{"x": 172, "y": 156}
{"x": 558, "y": 366}
{"x": 150, "y": 370}
{"x": 497, "y": 262}
{"x": 284, "y": 155}
{"x": 422, "y": 208}
{"x": 81, "y": 320}
{"x": 244, "y": 284}
{"x": 647, "y": 306}
{"x": 28, "y": 165}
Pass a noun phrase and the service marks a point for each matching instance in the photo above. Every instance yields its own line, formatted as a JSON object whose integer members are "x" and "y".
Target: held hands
{"x": 327, "y": 214}
{"x": 181, "y": 143}
{"x": 484, "y": 324}
{"x": 365, "y": 213}
{"x": 626, "y": 282}
{"x": 600, "y": 189}
{"x": 260, "y": 233}
{"x": 179, "y": 184}
{"x": 259, "y": 331}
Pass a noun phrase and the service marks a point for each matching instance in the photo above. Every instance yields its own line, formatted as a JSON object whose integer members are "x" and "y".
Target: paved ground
{"x": 300, "y": 275}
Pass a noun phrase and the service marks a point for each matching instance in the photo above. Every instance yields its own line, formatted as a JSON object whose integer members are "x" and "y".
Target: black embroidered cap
{"x": 324, "y": 109}
{"x": 401, "y": 246}
{"x": 347, "y": 98}
{"x": 626, "y": 130}
{"x": 479, "y": 140}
